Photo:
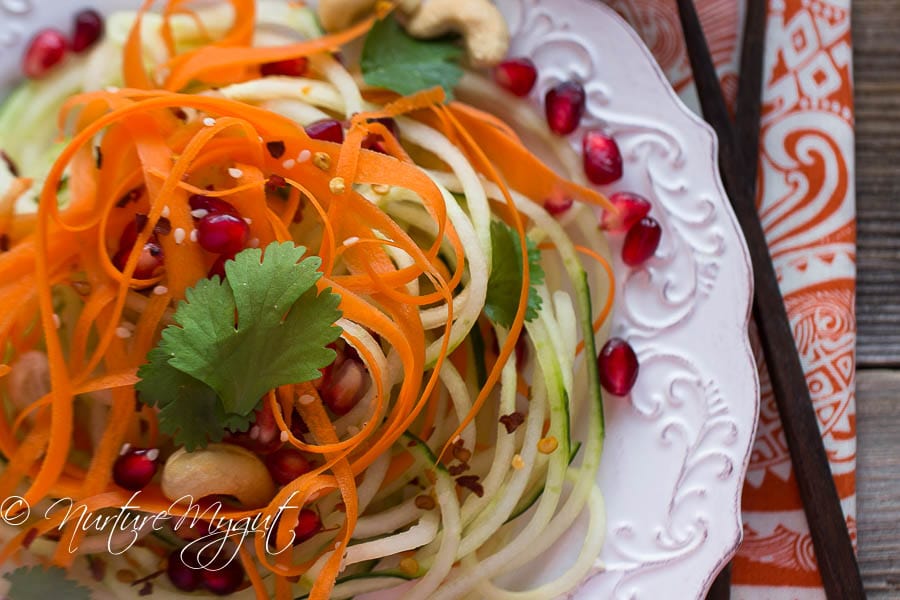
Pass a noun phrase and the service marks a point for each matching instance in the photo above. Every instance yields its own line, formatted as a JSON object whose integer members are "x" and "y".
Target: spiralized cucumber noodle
{"x": 172, "y": 101}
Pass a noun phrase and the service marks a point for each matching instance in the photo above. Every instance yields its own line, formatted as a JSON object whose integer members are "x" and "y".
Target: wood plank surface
{"x": 876, "y": 40}
{"x": 878, "y": 491}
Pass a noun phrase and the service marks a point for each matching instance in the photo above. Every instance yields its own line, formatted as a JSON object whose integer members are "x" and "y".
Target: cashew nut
{"x": 219, "y": 469}
{"x": 478, "y": 21}
{"x": 29, "y": 380}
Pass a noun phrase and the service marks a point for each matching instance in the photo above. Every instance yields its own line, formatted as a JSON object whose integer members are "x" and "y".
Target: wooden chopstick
{"x": 821, "y": 503}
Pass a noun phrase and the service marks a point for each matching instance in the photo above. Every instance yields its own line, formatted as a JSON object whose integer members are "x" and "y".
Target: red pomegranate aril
{"x": 264, "y": 436}
{"x": 308, "y": 525}
{"x": 183, "y": 576}
{"x": 375, "y": 141}
{"x": 516, "y": 75}
{"x": 618, "y": 366}
{"x": 222, "y": 233}
{"x": 135, "y": 467}
{"x": 344, "y": 386}
{"x": 628, "y": 209}
{"x": 223, "y": 578}
{"x": 558, "y": 204}
{"x": 88, "y": 29}
{"x": 286, "y": 465}
{"x": 564, "y": 106}
{"x": 151, "y": 259}
{"x": 291, "y": 67}
{"x": 641, "y": 241}
{"x": 46, "y": 50}
{"x": 601, "y": 157}
{"x": 327, "y": 130}
{"x": 212, "y": 205}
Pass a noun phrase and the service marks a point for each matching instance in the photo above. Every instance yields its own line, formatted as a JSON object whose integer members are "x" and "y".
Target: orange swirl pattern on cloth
{"x": 806, "y": 199}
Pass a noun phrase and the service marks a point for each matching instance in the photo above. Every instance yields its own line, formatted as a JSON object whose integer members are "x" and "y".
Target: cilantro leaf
{"x": 266, "y": 325}
{"x": 40, "y": 583}
{"x": 190, "y": 410}
{"x": 393, "y": 59}
{"x": 505, "y": 282}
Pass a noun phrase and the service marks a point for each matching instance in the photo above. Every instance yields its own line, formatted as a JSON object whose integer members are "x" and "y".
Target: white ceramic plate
{"x": 677, "y": 449}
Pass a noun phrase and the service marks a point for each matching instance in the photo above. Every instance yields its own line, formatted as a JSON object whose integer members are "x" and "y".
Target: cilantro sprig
{"x": 40, "y": 583}
{"x": 505, "y": 282}
{"x": 264, "y": 326}
{"x": 394, "y": 60}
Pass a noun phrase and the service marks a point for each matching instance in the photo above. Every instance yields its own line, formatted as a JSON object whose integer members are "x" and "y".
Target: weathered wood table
{"x": 876, "y": 33}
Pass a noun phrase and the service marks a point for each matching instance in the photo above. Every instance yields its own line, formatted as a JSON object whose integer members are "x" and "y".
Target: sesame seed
{"x": 289, "y": 163}
{"x": 380, "y": 188}
{"x": 199, "y": 213}
{"x": 248, "y": 220}
{"x": 178, "y": 235}
{"x": 123, "y": 333}
{"x": 303, "y": 156}
{"x": 209, "y": 121}
{"x": 193, "y": 235}
{"x": 253, "y": 243}
{"x": 166, "y": 211}
{"x": 152, "y": 453}
{"x": 351, "y": 240}
{"x": 306, "y": 399}
{"x": 285, "y": 436}
{"x": 337, "y": 185}
{"x": 125, "y": 448}
{"x": 547, "y": 445}
{"x": 518, "y": 462}
{"x": 236, "y": 173}
{"x": 56, "y": 321}
{"x": 160, "y": 290}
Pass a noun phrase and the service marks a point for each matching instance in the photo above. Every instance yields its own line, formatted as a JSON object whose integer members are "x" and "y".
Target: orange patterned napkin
{"x": 806, "y": 199}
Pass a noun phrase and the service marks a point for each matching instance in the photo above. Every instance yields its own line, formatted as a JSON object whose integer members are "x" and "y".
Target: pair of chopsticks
{"x": 738, "y": 154}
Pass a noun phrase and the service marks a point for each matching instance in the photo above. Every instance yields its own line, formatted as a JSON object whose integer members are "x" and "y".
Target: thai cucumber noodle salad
{"x": 289, "y": 309}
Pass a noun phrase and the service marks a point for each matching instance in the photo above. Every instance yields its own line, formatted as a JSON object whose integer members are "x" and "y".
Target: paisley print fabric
{"x": 806, "y": 200}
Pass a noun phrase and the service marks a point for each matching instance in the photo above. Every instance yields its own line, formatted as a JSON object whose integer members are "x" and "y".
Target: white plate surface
{"x": 677, "y": 449}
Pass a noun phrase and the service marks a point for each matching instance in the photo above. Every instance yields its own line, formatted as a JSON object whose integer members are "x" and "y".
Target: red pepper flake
{"x": 470, "y": 482}
{"x": 163, "y": 226}
{"x": 13, "y": 168}
{"x": 4, "y": 242}
{"x": 276, "y": 149}
{"x": 29, "y": 538}
{"x": 512, "y": 421}
{"x": 458, "y": 469}
{"x": 128, "y": 198}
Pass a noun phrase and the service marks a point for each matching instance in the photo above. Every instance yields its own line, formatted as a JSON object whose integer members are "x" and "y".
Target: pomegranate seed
{"x": 291, "y": 67}
{"x": 183, "y": 576}
{"x": 628, "y": 209}
{"x": 516, "y": 75}
{"x": 344, "y": 386}
{"x": 88, "y": 29}
{"x": 564, "y": 105}
{"x": 212, "y": 205}
{"x": 558, "y": 204}
{"x": 45, "y": 51}
{"x": 618, "y": 366}
{"x": 151, "y": 259}
{"x": 641, "y": 241}
{"x": 374, "y": 141}
{"x": 308, "y": 525}
{"x": 223, "y": 578}
{"x": 135, "y": 468}
{"x": 602, "y": 159}
{"x": 328, "y": 130}
{"x": 222, "y": 233}
{"x": 286, "y": 465}
{"x": 263, "y": 437}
